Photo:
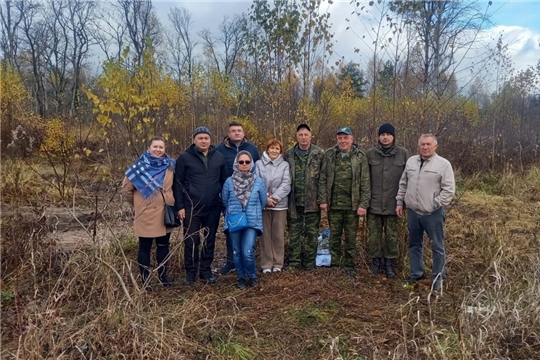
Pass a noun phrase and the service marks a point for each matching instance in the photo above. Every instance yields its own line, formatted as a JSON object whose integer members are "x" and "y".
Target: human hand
{"x": 324, "y": 207}
{"x": 271, "y": 202}
{"x": 182, "y": 214}
{"x": 361, "y": 211}
{"x": 399, "y": 210}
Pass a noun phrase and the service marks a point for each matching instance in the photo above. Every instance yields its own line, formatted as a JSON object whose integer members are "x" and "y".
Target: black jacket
{"x": 197, "y": 185}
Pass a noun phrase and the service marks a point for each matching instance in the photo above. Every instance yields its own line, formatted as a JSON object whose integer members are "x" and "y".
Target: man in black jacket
{"x": 200, "y": 174}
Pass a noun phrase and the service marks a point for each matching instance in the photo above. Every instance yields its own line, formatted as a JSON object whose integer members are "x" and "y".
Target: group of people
{"x": 260, "y": 195}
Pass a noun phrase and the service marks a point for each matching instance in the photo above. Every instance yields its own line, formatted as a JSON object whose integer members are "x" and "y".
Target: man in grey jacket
{"x": 426, "y": 188}
{"x": 386, "y": 163}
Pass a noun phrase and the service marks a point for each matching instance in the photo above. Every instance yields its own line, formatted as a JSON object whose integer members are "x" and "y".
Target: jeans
{"x": 433, "y": 225}
{"x": 197, "y": 221}
{"x": 162, "y": 252}
{"x": 243, "y": 243}
{"x": 230, "y": 255}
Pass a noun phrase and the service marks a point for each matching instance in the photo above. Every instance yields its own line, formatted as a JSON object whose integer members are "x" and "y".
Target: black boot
{"x": 375, "y": 266}
{"x": 145, "y": 279}
{"x": 389, "y": 268}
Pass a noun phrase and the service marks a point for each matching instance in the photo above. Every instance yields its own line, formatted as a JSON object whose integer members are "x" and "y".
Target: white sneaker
{"x": 277, "y": 270}
{"x": 267, "y": 271}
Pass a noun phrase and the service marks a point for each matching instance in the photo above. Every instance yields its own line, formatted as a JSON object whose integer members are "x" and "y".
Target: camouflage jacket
{"x": 314, "y": 162}
{"x": 361, "y": 184}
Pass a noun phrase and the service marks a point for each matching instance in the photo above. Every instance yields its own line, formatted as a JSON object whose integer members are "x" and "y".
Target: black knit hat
{"x": 387, "y": 129}
{"x": 303, "y": 126}
{"x": 202, "y": 130}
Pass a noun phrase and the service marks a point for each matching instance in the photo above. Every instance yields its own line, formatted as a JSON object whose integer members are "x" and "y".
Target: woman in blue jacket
{"x": 244, "y": 191}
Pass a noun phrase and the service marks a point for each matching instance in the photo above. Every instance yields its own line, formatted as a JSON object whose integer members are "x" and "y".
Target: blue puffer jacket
{"x": 254, "y": 208}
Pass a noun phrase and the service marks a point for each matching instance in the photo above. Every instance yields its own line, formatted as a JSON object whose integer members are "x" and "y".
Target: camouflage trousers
{"x": 343, "y": 221}
{"x": 382, "y": 236}
{"x": 303, "y": 234}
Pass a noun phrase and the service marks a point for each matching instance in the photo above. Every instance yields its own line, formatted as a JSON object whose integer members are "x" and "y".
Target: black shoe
{"x": 375, "y": 266}
{"x": 350, "y": 271}
{"x": 310, "y": 268}
{"x": 252, "y": 282}
{"x": 208, "y": 277}
{"x": 241, "y": 284}
{"x": 411, "y": 279}
{"x": 190, "y": 279}
{"x": 227, "y": 268}
{"x": 148, "y": 288}
{"x": 389, "y": 268}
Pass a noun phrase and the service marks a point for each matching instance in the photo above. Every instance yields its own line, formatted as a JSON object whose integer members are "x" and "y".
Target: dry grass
{"x": 87, "y": 303}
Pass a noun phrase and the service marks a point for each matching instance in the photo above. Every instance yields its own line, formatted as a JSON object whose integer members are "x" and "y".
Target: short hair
{"x": 426, "y": 136}
{"x": 235, "y": 123}
{"x": 157, "y": 138}
{"x": 273, "y": 142}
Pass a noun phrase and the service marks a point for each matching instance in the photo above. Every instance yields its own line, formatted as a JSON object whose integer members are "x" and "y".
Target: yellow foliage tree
{"x": 134, "y": 103}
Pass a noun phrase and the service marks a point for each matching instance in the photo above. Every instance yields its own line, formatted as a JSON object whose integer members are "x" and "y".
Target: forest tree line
{"x": 270, "y": 68}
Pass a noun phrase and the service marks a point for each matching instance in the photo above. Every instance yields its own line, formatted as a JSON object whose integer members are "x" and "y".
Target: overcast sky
{"x": 517, "y": 21}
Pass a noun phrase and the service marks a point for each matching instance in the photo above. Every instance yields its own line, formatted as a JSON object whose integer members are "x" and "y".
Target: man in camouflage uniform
{"x": 304, "y": 215}
{"x": 344, "y": 192}
{"x": 386, "y": 164}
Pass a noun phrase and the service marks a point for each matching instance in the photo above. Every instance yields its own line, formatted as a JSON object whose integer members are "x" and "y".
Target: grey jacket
{"x": 426, "y": 189}
{"x": 277, "y": 177}
{"x": 386, "y": 169}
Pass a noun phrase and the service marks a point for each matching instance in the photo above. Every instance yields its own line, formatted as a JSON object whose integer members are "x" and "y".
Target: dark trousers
{"x": 162, "y": 252}
{"x": 200, "y": 223}
{"x": 230, "y": 252}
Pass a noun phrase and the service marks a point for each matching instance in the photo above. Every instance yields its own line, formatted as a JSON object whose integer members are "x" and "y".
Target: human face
{"x": 344, "y": 142}
{"x": 236, "y": 133}
{"x": 427, "y": 146}
{"x": 386, "y": 139}
{"x": 273, "y": 152}
{"x": 303, "y": 136}
{"x": 244, "y": 163}
{"x": 202, "y": 142}
{"x": 157, "y": 148}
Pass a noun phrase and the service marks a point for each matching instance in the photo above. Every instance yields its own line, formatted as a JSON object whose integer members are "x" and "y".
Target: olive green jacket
{"x": 385, "y": 170}
{"x": 313, "y": 167}
{"x": 361, "y": 185}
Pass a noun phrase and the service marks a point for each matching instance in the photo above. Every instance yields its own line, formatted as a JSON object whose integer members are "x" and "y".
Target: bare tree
{"x": 229, "y": 41}
{"x": 181, "y": 42}
{"x": 81, "y": 13}
{"x": 35, "y": 37}
{"x": 143, "y": 26}
{"x": 9, "y": 42}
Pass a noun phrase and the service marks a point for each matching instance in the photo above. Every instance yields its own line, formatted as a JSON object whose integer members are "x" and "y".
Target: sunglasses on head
{"x": 244, "y": 162}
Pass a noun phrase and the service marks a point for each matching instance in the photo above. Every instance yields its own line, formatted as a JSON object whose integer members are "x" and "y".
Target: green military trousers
{"x": 343, "y": 221}
{"x": 379, "y": 246}
{"x": 303, "y": 234}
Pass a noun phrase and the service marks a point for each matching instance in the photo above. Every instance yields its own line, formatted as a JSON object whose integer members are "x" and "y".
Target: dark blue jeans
{"x": 433, "y": 225}
{"x": 243, "y": 243}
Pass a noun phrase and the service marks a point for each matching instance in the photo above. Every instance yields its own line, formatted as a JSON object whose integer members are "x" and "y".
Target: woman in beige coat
{"x": 147, "y": 187}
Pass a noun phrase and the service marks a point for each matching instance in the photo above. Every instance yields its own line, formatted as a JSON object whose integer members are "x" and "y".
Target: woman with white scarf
{"x": 244, "y": 192}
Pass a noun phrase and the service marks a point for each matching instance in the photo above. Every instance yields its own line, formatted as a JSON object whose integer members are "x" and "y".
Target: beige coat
{"x": 149, "y": 217}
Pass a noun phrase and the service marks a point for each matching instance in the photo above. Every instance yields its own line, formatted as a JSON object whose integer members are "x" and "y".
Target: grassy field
{"x": 85, "y": 302}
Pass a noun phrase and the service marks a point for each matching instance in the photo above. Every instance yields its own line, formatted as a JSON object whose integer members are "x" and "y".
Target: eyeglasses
{"x": 244, "y": 162}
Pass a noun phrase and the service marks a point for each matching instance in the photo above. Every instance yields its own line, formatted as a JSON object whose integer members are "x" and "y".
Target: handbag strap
{"x": 163, "y": 196}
